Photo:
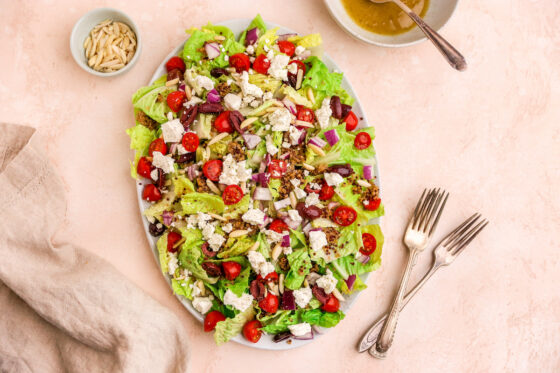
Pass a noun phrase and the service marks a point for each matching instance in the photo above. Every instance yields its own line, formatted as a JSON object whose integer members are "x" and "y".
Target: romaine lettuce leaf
{"x": 324, "y": 82}
{"x": 235, "y": 211}
{"x": 278, "y": 322}
{"x": 358, "y": 286}
{"x": 320, "y": 318}
{"x": 300, "y": 264}
{"x": 307, "y": 41}
{"x": 182, "y": 287}
{"x": 190, "y": 255}
{"x": 256, "y": 22}
{"x": 236, "y": 246}
{"x": 140, "y": 139}
{"x": 182, "y": 185}
{"x": 161, "y": 246}
{"x": 346, "y": 196}
{"x": 193, "y": 203}
{"x": 295, "y": 96}
{"x": 267, "y": 39}
{"x": 265, "y": 82}
{"x": 229, "y": 328}
{"x": 220, "y": 147}
{"x": 152, "y": 100}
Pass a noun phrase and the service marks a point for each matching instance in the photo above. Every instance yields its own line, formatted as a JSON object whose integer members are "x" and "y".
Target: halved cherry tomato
{"x": 172, "y": 239}
{"x": 240, "y": 62}
{"x": 351, "y": 121}
{"x": 212, "y": 169}
{"x": 190, "y": 141}
{"x": 144, "y": 168}
{"x": 326, "y": 193}
{"x": 232, "y": 194}
{"x": 261, "y": 64}
{"x": 151, "y": 193}
{"x": 308, "y": 189}
{"x": 252, "y": 331}
{"x": 300, "y": 65}
{"x": 287, "y": 47}
{"x": 272, "y": 276}
{"x": 222, "y": 123}
{"x": 270, "y": 303}
{"x": 175, "y": 100}
{"x": 278, "y": 226}
{"x": 158, "y": 145}
{"x": 370, "y": 244}
{"x": 175, "y": 63}
{"x": 277, "y": 167}
{"x": 331, "y": 305}
{"x": 373, "y": 204}
{"x": 231, "y": 270}
{"x": 362, "y": 141}
{"x": 344, "y": 215}
{"x": 304, "y": 114}
{"x": 211, "y": 319}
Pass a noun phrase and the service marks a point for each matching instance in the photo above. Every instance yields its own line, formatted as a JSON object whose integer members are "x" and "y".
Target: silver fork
{"x": 417, "y": 236}
{"x": 444, "y": 254}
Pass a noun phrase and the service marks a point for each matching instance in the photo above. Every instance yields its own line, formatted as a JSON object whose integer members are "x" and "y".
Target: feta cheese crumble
{"x": 327, "y": 282}
{"x": 234, "y": 172}
{"x": 295, "y": 134}
{"x": 300, "y": 193}
{"x": 299, "y": 50}
{"x": 241, "y": 303}
{"x": 280, "y": 119}
{"x": 303, "y": 296}
{"x": 254, "y": 217}
{"x": 202, "y": 304}
{"x": 259, "y": 263}
{"x": 270, "y": 147}
{"x": 164, "y": 162}
{"x": 232, "y": 101}
{"x": 249, "y": 89}
{"x": 172, "y": 131}
{"x": 204, "y": 82}
{"x": 333, "y": 179}
{"x": 312, "y": 200}
{"x": 317, "y": 240}
{"x": 324, "y": 113}
{"x": 172, "y": 263}
{"x": 278, "y": 65}
{"x": 294, "y": 215}
{"x": 299, "y": 330}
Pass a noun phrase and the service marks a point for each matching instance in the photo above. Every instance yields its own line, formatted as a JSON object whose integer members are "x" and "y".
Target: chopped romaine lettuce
{"x": 152, "y": 100}
{"x": 194, "y": 203}
{"x": 229, "y": 328}
{"x": 256, "y": 22}
{"x": 300, "y": 264}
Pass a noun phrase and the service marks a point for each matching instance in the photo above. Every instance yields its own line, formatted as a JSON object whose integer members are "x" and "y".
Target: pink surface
{"x": 490, "y": 136}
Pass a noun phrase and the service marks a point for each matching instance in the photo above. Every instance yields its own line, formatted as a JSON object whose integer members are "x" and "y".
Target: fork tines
{"x": 428, "y": 210}
{"x": 464, "y": 233}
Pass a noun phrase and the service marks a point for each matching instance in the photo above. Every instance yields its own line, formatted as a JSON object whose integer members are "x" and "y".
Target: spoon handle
{"x": 453, "y": 56}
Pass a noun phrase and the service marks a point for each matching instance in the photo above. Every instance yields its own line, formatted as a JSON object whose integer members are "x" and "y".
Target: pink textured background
{"x": 490, "y": 136}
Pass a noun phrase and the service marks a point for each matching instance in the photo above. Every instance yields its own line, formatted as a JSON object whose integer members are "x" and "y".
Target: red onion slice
{"x": 252, "y": 36}
{"x": 332, "y": 137}
{"x": 350, "y": 281}
{"x": 305, "y": 337}
{"x": 281, "y": 337}
{"x": 283, "y": 37}
{"x": 286, "y": 240}
{"x": 317, "y": 141}
{"x": 368, "y": 172}
{"x": 290, "y": 105}
{"x": 212, "y": 50}
{"x": 213, "y": 96}
{"x": 251, "y": 140}
{"x": 363, "y": 259}
{"x": 167, "y": 217}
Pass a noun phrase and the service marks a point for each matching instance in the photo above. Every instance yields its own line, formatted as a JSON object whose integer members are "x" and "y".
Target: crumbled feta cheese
{"x": 287, "y": 250}
{"x": 318, "y": 240}
{"x": 229, "y": 81}
{"x": 327, "y": 282}
{"x": 241, "y": 303}
{"x": 273, "y": 236}
{"x": 295, "y": 182}
{"x": 312, "y": 199}
{"x": 192, "y": 102}
{"x": 255, "y": 103}
{"x": 195, "y": 290}
{"x": 278, "y": 65}
{"x": 172, "y": 131}
{"x": 265, "y": 47}
{"x": 250, "y": 49}
{"x": 292, "y": 68}
{"x": 286, "y": 145}
{"x": 226, "y": 57}
{"x": 154, "y": 174}
{"x": 259, "y": 263}
{"x": 202, "y": 304}
{"x": 333, "y": 179}
{"x": 300, "y": 193}
{"x": 295, "y": 134}
{"x": 249, "y": 89}
{"x": 227, "y": 227}
{"x": 299, "y": 330}
{"x": 299, "y": 50}
{"x": 280, "y": 119}
{"x": 305, "y": 173}
{"x": 234, "y": 172}
{"x": 215, "y": 241}
{"x": 232, "y": 101}
{"x": 270, "y": 147}
{"x": 204, "y": 82}
{"x": 254, "y": 217}
{"x": 172, "y": 263}
{"x": 267, "y": 96}
{"x": 323, "y": 114}
{"x": 302, "y": 296}
{"x": 294, "y": 215}
{"x": 164, "y": 162}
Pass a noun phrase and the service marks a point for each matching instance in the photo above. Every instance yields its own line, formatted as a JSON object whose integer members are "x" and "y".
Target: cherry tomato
{"x": 308, "y": 189}
{"x": 252, "y": 331}
{"x": 212, "y": 169}
{"x": 326, "y": 193}
{"x": 175, "y": 63}
{"x": 175, "y": 100}
{"x": 211, "y": 319}
{"x": 151, "y": 193}
{"x": 231, "y": 270}
{"x": 232, "y": 194}
{"x": 240, "y": 62}
{"x": 362, "y": 141}
{"x": 261, "y": 64}
{"x": 278, "y": 226}
{"x": 331, "y": 305}
{"x": 277, "y": 167}
{"x": 190, "y": 141}
{"x": 370, "y": 244}
{"x": 344, "y": 215}
{"x": 300, "y": 65}
{"x": 373, "y": 204}
{"x": 351, "y": 121}
{"x": 287, "y": 47}
{"x": 158, "y": 145}
{"x": 305, "y": 114}
{"x": 144, "y": 168}
{"x": 270, "y": 303}
{"x": 272, "y": 276}
{"x": 172, "y": 239}
{"x": 222, "y": 123}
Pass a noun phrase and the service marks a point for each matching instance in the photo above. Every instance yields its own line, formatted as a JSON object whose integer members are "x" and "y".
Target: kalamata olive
{"x": 206, "y": 251}
{"x": 210, "y": 108}
{"x": 320, "y": 294}
{"x": 156, "y": 229}
{"x": 235, "y": 119}
{"x": 257, "y": 289}
{"x": 336, "y": 107}
{"x": 212, "y": 269}
{"x": 174, "y": 74}
{"x": 343, "y": 170}
{"x": 187, "y": 157}
{"x": 345, "y": 110}
{"x": 160, "y": 182}
{"x": 288, "y": 301}
{"x": 292, "y": 80}
{"x": 188, "y": 116}
{"x": 281, "y": 337}
{"x": 309, "y": 212}
{"x": 218, "y": 71}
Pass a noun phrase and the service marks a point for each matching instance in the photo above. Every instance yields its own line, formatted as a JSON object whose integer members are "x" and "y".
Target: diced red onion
{"x": 251, "y": 140}
{"x": 182, "y": 87}
{"x": 267, "y": 159}
{"x": 279, "y": 205}
{"x": 288, "y": 300}
{"x": 305, "y": 54}
{"x": 332, "y": 205}
{"x": 213, "y": 96}
{"x": 192, "y": 172}
{"x": 307, "y": 228}
{"x": 173, "y": 148}
{"x": 363, "y": 259}
{"x": 305, "y": 337}
{"x": 302, "y": 136}
{"x": 267, "y": 219}
{"x": 317, "y": 141}
{"x": 262, "y": 194}
{"x": 212, "y": 50}
{"x": 285, "y": 156}
{"x": 350, "y": 281}
{"x": 286, "y": 240}
{"x": 289, "y": 104}
{"x": 290, "y": 223}
{"x": 283, "y": 37}
{"x": 167, "y": 217}
{"x": 281, "y": 337}
{"x": 252, "y": 36}
{"x": 332, "y": 137}
{"x": 368, "y": 172}
{"x": 315, "y": 329}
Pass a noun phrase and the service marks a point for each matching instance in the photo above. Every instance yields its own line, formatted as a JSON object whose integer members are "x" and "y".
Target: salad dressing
{"x": 385, "y": 19}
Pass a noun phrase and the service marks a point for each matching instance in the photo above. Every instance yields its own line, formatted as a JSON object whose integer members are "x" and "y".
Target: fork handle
{"x": 370, "y": 337}
{"x": 385, "y": 339}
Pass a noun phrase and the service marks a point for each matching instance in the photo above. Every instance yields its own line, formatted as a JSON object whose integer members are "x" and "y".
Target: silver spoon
{"x": 455, "y": 59}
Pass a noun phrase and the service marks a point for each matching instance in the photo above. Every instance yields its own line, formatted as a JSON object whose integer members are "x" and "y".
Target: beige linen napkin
{"x": 63, "y": 309}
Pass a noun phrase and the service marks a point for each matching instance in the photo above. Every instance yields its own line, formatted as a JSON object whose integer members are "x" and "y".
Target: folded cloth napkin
{"x": 63, "y": 309}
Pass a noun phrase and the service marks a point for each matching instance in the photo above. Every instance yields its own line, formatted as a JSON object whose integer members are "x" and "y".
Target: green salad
{"x": 259, "y": 182}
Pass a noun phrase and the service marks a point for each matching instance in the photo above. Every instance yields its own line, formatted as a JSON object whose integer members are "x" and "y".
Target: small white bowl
{"x": 81, "y": 31}
{"x": 437, "y": 15}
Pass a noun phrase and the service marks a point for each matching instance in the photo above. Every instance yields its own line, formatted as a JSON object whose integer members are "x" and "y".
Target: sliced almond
{"x": 299, "y": 78}
{"x": 273, "y": 288}
{"x": 171, "y": 82}
{"x": 281, "y": 283}
{"x": 303, "y": 123}
{"x": 337, "y": 295}
{"x": 219, "y": 37}
{"x": 217, "y": 138}
{"x": 316, "y": 149}
{"x": 255, "y": 246}
{"x": 188, "y": 92}
{"x": 363, "y": 183}
{"x": 247, "y": 122}
{"x": 179, "y": 243}
{"x": 202, "y": 288}
{"x": 238, "y": 233}
{"x": 310, "y": 95}
{"x": 213, "y": 186}
{"x": 293, "y": 199}
{"x": 217, "y": 217}
{"x": 271, "y": 109}
{"x": 308, "y": 167}
{"x": 276, "y": 251}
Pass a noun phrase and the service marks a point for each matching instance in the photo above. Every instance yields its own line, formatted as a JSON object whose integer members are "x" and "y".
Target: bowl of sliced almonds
{"x": 105, "y": 42}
